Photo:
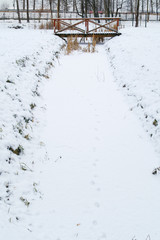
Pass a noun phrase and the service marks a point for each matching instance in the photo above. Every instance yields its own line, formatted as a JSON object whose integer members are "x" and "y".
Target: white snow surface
{"x": 87, "y": 159}
{"x": 25, "y": 59}
{"x": 98, "y": 180}
{"x": 134, "y": 57}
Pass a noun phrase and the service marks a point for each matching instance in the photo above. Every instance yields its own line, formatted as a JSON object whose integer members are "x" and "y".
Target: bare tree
{"x": 74, "y": 5}
{"x": 85, "y": 8}
{"x": 19, "y": 17}
{"x": 137, "y": 14}
{"x": 50, "y": 4}
{"x": 82, "y": 8}
{"x": 95, "y": 8}
{"x": 34, "y": 4}
{"x": 147, "y": 10}
{"x": 28, "y": 11}
{"x": 157, "y": 9}
{"x": 65, "y": 5}
{"x": 24, "y": 4}
{"x": 107, "y": 8}
{"x": 151, "y": 4}
{"x": 58, "y": 9}
{"x": 118, "y": 6}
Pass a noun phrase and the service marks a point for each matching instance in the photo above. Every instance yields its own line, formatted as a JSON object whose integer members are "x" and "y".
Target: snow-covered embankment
{"x": 26, "y": 56}
{"x": 134, "y": 57}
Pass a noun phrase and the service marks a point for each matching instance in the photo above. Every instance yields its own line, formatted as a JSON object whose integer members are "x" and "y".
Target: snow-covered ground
{"x": 25, "y": 59}
{"x": 98, "y": 182}
{"x": 135, "y": 57}
{"x": 84, "y": 163}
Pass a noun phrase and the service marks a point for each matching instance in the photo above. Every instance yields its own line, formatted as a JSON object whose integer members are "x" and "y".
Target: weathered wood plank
{"x": 108, "y": 34}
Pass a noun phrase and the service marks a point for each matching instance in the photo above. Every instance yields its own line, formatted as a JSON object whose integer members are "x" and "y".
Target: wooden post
{"x": 86, "y": 25}
{"x": 117, "y": 23}
{"x": 57, "y": 24}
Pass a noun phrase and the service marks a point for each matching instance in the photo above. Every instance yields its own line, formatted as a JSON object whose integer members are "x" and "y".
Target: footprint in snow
{"x": 102, "y": 237}
{"x": 98, "y": 122}
{"x": 97, "y": 138}
{"x": 94, "y": 222}
{"x": 94, "y": 149}
{"x": 95, "y": 176}
{"x": 93, "y": 182}
{"x": 96, "y": 204}
{"x": 98, "y": 189}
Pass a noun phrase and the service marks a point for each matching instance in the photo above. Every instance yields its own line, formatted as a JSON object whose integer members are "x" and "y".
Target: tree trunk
{"x": 142, "y": 6}
{"x": 42, "y": 5}
{"x": 131, "y": 5}
{"x": 34, "y": 4}
{"x": 151, "y": 10}
{"x": 105, "y": 8}
{"x": 74, "y": 5}
{"x": 108, "y": 8}
{"x": 24, "y": 4}
{"x": 50, "y": 4}
{"x": 65, "y": 5}
{"x": 19, "y": 17}
{"x": 58, "y": 9}
{"x": 137, "y": 14}
{"x": 118, "y": 7}
{"x": 86, "y": 8}
{"x": 157, "y": 9}
{"x": 28, "y": 11}
{"x": 95, "y": 8}
{"x": 112, "y": 8}
{"x": 147, "y": 10}
{"x": 82, "y": 8}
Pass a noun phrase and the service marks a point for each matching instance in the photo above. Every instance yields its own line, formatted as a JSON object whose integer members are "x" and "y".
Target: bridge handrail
{"x": 59, "y": 22}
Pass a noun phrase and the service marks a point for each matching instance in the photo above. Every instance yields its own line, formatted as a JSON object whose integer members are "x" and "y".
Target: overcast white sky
{"x": 10, "y": 2}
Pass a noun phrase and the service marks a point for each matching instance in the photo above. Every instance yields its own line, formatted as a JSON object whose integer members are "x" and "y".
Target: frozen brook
{"x": 98, "y": 182}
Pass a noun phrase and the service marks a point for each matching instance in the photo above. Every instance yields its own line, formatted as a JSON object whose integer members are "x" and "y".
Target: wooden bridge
{"x": 86, "y": 27}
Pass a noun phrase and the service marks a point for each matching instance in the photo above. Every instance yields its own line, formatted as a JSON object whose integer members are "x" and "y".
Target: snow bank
{"x": 26, "y": 56}
{"x": 134, "y": 57}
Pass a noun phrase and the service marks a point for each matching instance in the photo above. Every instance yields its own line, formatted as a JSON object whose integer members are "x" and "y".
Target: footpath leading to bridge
{"x": 97, "y": 183}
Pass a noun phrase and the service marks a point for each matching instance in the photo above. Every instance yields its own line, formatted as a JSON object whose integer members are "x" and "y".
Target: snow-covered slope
{"x": 25, "y": 59}
{"x": 135, "y": 57}
{"x": 96, "y": 183}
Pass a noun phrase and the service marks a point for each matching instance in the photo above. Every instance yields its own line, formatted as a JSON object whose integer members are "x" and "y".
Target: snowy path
{"x": 98, "y": 183}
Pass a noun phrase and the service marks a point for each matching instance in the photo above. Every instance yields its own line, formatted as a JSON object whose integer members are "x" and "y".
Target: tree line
{"x": 110, "y": 8}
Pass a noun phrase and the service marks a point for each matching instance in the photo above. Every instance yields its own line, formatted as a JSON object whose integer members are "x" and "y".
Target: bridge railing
{"x": 85, "y": 25}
